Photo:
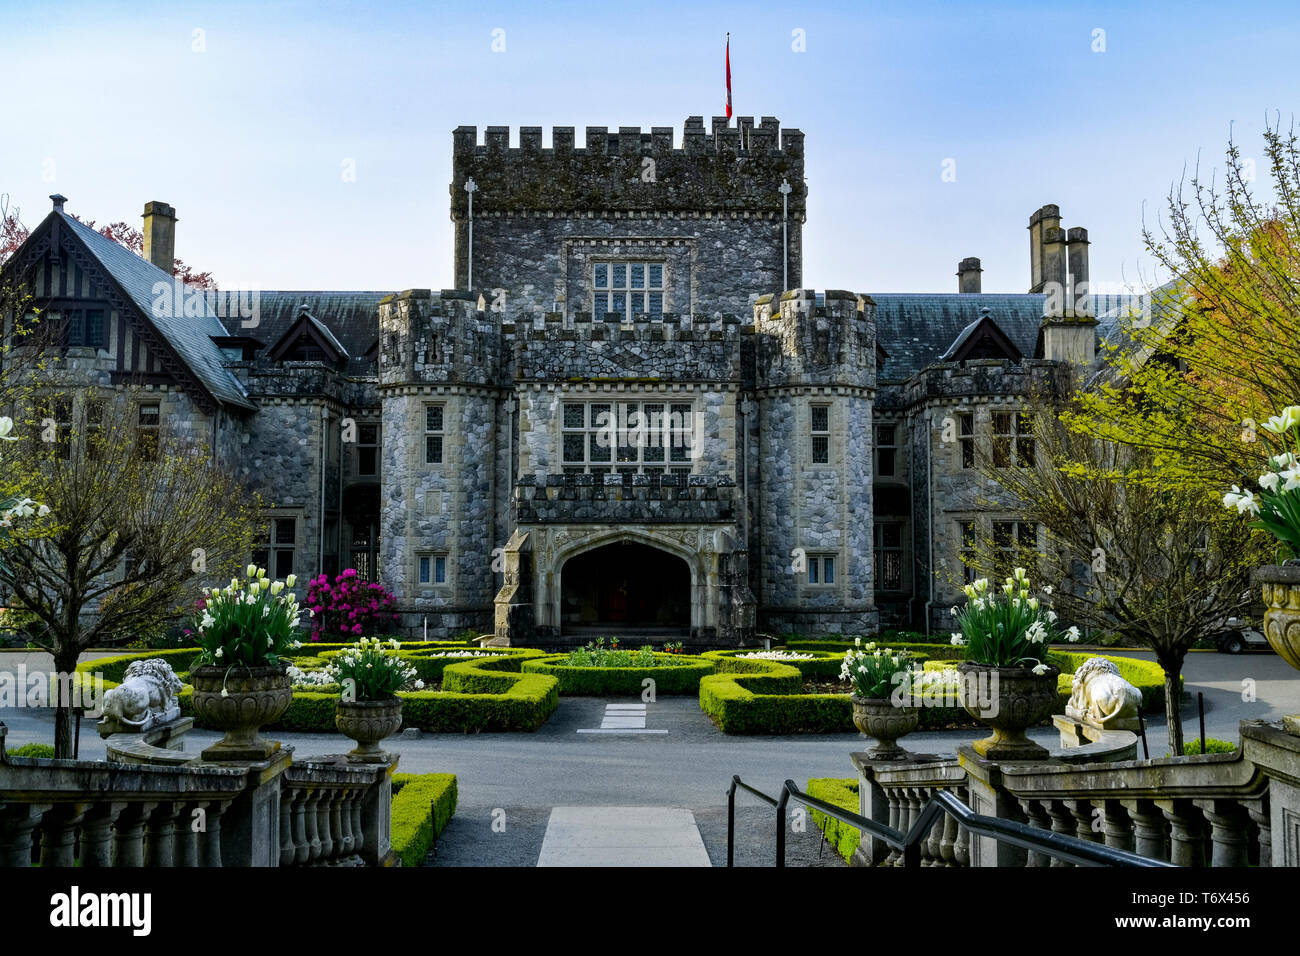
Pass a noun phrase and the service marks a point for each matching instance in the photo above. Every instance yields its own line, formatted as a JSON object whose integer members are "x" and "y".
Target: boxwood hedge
{"x": 680, "y": 675}
{"x": 753, "y": 696}
{"x": 422, "y": 806}
{"x": 479, "y": 694}
{"x": 843, "y": 794}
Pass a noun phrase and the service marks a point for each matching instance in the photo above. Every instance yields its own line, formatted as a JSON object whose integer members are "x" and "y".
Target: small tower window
{"x": 821, "y": 434}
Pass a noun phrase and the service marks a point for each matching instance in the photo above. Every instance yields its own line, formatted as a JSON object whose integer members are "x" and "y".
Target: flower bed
{"x": 810, "y": 663}
{"x": 478, "y": 694}
{"x": 422, "y": 806}
{"x": 754, "y": 696}
{"x": 671, "y": 673}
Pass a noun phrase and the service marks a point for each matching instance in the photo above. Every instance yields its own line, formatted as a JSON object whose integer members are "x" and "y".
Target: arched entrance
{"x": 627, "y": 587}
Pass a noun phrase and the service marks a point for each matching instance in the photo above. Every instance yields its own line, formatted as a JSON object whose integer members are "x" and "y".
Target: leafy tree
{"x": 121, "y": 529}
{"x": 1128, "y": 551}
{"x": 1216, "y": 353}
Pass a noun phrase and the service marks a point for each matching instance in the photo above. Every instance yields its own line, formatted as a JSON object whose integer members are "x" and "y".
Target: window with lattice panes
{"x": 276, "y": 550}
{"x": 889, "y": 555}
{"x": 434, "y": 422}
{"x": 966, "y": 438}
{"x": 886, "y": 450}
{"x": 627, "y": 289}
{"x": 820, "y": 429}
{"x": 968, "y": 554}
{"x": 1013, "y": 440}
{"x": 821, "y": 569}
{"x": 368, "y": 449}
{"x": 1015, "y": 545}
{"x": 602, "y": 437}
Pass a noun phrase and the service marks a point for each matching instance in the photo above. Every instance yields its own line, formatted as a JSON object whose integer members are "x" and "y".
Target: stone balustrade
{"x": 1212, "y": 810}
{"x": 153, "y": 807}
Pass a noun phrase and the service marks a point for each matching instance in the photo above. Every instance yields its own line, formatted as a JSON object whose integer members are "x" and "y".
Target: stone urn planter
{"x": 368, "y": 722}
{"x": 1016, "y": 700}
{"x": 254, "y": 697}
{"x": 1281, "y": 586}
{"x": 877, "y": 717}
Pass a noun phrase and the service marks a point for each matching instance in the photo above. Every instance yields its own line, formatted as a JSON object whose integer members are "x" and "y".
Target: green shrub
{"x": 824, "y": 664}
{"x": 671, "y": 673}
{"x": 39, "y": 751}
{"x": 479, "y": 694}
{"x": 751, "y": 696}
{"x": 842, "y": 794}
{"x": 1192, "y": 748}
{"x": 422, "y": 805}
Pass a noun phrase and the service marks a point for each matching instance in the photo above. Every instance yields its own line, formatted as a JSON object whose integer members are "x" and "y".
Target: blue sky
{"x": 111, "y": 104}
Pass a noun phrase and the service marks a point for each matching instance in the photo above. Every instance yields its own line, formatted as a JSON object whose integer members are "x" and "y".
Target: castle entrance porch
{"x": 626, "y": 587}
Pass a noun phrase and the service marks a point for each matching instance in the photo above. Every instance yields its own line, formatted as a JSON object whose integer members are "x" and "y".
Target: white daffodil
{"x": 1232, "y": 498}
{"x": 7, "y": 426}
{"x": 1051, "y": 617}
{"x": 1072, "y": 635}
{"x": 1269, "y": 481}
{"x": 42, "y": 511}
{"x": 1040, "y": 670}
{"x": 221, "y": 652}
{"x": 1291, "y": 474}
{"x": 958, "y": 640}
{"x": 224, "y": 692}
{"x": 1047, "y": 589}
{"x": 1037, "y": 632}
{"x": 1280, "y": 424}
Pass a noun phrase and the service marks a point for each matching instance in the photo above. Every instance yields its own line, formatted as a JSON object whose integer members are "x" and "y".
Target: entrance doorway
{"x": 625, "y": 587}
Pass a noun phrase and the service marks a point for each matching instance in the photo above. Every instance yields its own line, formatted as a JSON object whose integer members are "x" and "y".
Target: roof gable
{"x": 982, "y": 339}
{"x": 316, "y": 332}
{"x": 181, "y": 333}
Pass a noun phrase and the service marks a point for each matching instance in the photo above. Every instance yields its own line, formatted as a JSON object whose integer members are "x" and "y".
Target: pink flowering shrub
{"x": 348, "y": 607}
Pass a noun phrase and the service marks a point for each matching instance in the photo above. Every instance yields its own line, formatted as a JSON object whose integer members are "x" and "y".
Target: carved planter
{"x": 1017, "y": 698}
{"x": 877, "y": 717}
{"x": 253, "y": 698}
{"x": 368, "y": 722}
{"x": 1281, "y": 587}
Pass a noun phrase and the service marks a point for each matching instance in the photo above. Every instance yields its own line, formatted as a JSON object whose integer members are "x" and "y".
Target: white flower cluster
{"x": 314, "y": 678}
{"x": 778, "y": 656}
{"x": 1283, "y": 473}
{"x": 250, "y": 592}
{"x": 23, "y": 507}
{"x": 348, "y": 662}
{"x": 462, "y": 654}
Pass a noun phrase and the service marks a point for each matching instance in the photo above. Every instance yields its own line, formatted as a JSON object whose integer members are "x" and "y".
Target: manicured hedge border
{"x": 752, "y": 696}
{"x": 682, "y": 676}
{"x": 843, "y": 794}
{"x": 823, "y": 664}
{"x": 479, "y": 694}
{"x": 918, "y": 650}
{"x": 422, "y": 806}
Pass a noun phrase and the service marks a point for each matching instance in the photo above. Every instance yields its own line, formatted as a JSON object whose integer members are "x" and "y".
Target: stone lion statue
{"x": 1099, "y": 696}
{"x": 145, "y": 698}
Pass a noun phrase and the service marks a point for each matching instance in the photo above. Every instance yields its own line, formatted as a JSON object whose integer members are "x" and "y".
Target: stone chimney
{"x": 1055, "y": 267}
{"x": 58, "y": 199}
{"x": 1044, "y": 218}
{"x": 1080, "y": 303}
{"x": 968, "y": 275}
{"x": 160, "y": 235}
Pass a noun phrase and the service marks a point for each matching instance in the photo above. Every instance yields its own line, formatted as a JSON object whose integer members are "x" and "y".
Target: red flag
{"x": 728, "y": 76}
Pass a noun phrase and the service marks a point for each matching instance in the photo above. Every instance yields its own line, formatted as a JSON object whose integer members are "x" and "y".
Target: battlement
{"x": 984, "y": 380}
{"x": 727, "y": 168}
{"x": 551, "y": 327}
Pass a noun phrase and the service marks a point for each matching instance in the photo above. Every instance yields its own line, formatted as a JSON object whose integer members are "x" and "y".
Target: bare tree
{"x": 121, "y": 529}
{"x": 1129, "y": 551}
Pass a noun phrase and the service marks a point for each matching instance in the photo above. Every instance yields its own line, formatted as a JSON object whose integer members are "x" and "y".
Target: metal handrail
{"x": 1055, "y": 845}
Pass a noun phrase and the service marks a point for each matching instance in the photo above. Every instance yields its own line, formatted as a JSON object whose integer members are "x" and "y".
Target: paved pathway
{"x": 623, "y": 719}
{"x": 622, "y": 836}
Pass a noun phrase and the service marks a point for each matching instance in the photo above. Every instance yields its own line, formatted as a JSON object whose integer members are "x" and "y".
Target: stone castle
{"x": 627, "y": 417}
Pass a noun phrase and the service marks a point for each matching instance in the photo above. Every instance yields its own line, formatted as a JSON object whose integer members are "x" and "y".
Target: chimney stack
{"x": 1054, "y": 269}
{"x": 1080, "y": 303}
{"x": 1045, "y": 218}
{"x": 58, "y": 199}
{"x": 968, "y": 275}
{"x": 160, "y": 235}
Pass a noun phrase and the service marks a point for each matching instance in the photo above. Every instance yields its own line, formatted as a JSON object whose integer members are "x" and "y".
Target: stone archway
{"x": 625, "y": 586}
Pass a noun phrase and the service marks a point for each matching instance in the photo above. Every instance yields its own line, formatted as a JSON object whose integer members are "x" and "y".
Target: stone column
{"x": 988, "y": 798}
{"x": 250, "y": 831}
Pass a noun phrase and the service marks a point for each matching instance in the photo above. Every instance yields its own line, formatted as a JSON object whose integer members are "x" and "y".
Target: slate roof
{"x": 189, "y": 335}
{"x": 916, "y": 329}
{"x": 351, "y": 318}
